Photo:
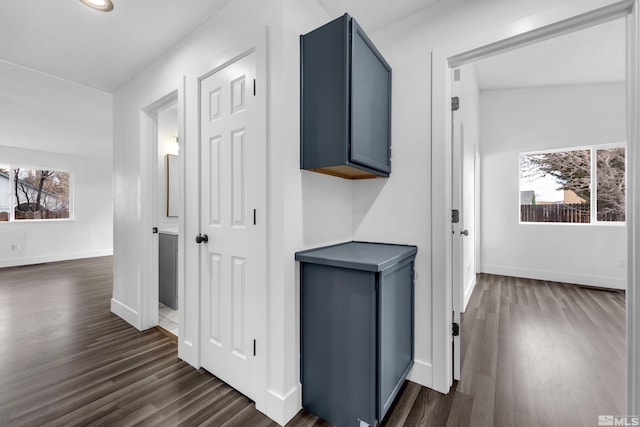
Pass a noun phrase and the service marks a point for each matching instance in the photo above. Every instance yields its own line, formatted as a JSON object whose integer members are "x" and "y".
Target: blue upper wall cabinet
{"x": 345, "y": 92}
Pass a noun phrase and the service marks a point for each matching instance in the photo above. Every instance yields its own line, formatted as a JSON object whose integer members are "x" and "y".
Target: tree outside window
{"x": 610, "y": 178}
{"x": 585, "y": 185}
{"x": 34, "y": 194}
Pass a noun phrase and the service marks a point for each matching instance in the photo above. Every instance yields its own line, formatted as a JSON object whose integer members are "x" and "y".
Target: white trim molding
{"x": 421, "y": 373}
{"x": 149, "y": 287}
{"x": 468, "y": 290}
{"x": 280, "y": 408}
{"x": 126, "y": 313}
{"x": 21, "y": 261}
{"x": 441, "y": 260}
{"x": 557, "y": 276}
{"x": 555, "y": 27}
{"x": 633, "y": 209}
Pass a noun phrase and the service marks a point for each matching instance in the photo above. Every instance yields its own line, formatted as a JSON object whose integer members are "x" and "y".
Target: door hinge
{"x": 254, "y": 217}
{"x": 455, "y": 103}
{"x": 254, "y": 87}
{"x": 254, "y": 347}
{"x": 455, "y": 329}
{"x": 155, "y": 230}
{"x": 455, "y": 216}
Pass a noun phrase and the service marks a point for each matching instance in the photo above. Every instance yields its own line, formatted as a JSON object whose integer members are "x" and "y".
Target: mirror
{"x": 173, "y": 186}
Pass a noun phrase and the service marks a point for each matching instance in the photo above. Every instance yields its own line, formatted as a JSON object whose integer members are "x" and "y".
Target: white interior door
{"x": 233, "y": 206}
{"x": 457, "y": 130}
{"x": 468, "y": 215}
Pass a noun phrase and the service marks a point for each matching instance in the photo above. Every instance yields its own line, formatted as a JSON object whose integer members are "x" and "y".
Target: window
{"x": 34, "y": 194}
{"x": 582, "y": 185}
{"x": 610, "y": 184}
{"x": 5, "y": 192}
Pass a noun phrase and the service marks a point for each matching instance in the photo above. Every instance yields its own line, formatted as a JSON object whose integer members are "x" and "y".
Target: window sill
{"x": 579, "y": 224}
{"x": 31, "y": 221}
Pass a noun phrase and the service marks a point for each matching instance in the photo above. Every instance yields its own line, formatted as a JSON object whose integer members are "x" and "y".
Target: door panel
{"x": 456, "y": 236}
{"x": 370, "y": 104}
{"x": 233, "y": 261}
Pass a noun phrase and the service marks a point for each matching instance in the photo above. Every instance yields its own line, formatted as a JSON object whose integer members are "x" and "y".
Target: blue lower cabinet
{"x": 356, "y": 330}
{"x": 168, "y": 270}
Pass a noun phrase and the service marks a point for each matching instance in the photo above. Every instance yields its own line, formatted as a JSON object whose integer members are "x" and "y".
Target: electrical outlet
{"x": 621, "y": 263}
{"x": 15, "y": 247}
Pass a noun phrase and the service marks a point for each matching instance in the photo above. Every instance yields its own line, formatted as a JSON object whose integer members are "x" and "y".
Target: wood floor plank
{"x": 504, "y": 413}
{"x": 460, "y": 411}
{"x": 533, "y": 353}
{"x": 204, "y": 393}
{"x": 399, "y": 410}
{"x": 249, "y": 417}
{"x": 422, "y": 410}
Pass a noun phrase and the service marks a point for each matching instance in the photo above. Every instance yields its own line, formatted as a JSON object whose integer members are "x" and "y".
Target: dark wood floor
{"x": 534, "y": 354}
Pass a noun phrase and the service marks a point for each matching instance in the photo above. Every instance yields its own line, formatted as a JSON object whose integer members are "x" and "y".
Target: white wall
{"x": 452, "y": 27}
{"x": 88, "y": 234}
{"x": 304, "y": 209}
{"x": 50, "y": 122}
{"x": 317, "y": 207}
{"x": 520, "y": 120}
{"x": 45, "y": 113}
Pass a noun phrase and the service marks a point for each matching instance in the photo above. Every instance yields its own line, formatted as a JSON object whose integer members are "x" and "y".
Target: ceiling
{"x": 591, "y": 55}
{"x": 65, "y": 38}
{"x": 104, "y": 50}
{"x": 375, "y": 14}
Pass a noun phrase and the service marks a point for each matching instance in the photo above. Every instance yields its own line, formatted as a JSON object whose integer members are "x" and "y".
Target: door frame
{"x": 148, "y": 291}
{"x": 457, "y": 282}
{"x": 539, "y": 27}
{"x": 260, "y": 316}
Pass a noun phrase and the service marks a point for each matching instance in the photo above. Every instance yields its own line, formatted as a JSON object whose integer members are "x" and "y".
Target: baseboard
{"x": 557, "y": 276}
{"x": 186, "y": 352}
{"x": 127, "y": 313}
{"x": 20, "y": 261}
{"x": 421, "y": 373}
{"x": 468, "y": 290}
{"x": 282, "y": 409}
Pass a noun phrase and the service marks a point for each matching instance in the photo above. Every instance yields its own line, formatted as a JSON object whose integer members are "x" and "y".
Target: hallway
{"x": 534, "y": 354}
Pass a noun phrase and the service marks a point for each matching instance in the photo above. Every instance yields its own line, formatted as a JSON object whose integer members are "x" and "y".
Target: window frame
{"x": 13, "y": 220}
{"x": 593, "y": 202}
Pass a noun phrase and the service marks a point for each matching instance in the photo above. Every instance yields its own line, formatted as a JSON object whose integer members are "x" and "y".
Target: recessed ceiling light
{"x": 102, "y": 5}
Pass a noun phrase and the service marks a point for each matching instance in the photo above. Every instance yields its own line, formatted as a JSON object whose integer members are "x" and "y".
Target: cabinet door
{"x": 395, "y": 326}
{"x": 338, "y": 344}
{"x": 167, "y": 275}
{"x": 370, "y": 104}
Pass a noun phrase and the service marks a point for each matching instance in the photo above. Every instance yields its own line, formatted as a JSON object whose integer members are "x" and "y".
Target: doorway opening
{"x": 564, "y": 97}
{"x": 167, "y": 208}
{"x": 442, "y": 128}
{"x": 162, "y": 202}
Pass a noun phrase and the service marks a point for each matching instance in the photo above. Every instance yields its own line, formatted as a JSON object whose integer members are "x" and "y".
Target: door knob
{"x": 202, "y": 238}
{"x": 465, "y": 232}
